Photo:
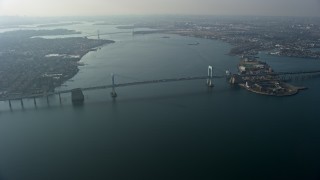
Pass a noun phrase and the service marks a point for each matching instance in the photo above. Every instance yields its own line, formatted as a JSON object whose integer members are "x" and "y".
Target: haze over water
{"x": 163, "y": 131}
{"x": 40, "y": 8}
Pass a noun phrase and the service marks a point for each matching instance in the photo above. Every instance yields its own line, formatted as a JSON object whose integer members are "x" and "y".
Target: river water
{"x": 179, "y": 130}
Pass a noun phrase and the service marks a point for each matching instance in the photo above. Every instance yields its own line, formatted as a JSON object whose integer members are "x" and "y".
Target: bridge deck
{"x": 283, "y": 73}
{"x": 110, "y": 86}
{"x": 153, "y": 82}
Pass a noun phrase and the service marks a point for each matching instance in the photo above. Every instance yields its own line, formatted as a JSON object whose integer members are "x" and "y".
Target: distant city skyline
{"x": 153, "y": 7}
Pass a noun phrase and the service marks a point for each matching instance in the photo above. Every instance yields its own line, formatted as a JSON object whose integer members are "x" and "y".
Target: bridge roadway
{"x": 283, "y": 73}
{"x": 153, "y": 82}
{"x": 110, "y": 86}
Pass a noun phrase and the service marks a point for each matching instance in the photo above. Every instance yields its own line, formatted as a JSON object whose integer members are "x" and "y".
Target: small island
{"x": 33, "y": 65}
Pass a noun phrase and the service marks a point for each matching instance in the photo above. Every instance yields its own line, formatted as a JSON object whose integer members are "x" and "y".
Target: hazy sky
{"x": 111, "y": 7}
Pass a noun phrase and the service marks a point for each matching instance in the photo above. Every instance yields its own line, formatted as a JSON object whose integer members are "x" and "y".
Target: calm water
{"x": 180, "y": 130}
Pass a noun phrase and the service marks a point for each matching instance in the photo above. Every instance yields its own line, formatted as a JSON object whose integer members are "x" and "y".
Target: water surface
{"x": 180, "y": 130}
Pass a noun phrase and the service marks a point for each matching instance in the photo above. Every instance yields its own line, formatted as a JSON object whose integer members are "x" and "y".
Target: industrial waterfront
{"x": 171, "y": 130}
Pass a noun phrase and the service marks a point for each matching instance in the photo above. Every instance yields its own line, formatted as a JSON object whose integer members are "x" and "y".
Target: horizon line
{"x": 169, "y": 14}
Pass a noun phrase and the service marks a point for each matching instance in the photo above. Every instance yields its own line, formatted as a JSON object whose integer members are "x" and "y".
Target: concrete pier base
{"x": 21, "y": 100}
{"x": 113, "y": 94}
{"x": 60, "y": 98}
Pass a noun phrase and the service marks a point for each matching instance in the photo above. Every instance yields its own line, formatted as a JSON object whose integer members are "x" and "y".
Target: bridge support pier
{"x": 47, "y": 99}
{"x": 210, "y": 76}
{"x": 113, "y": 92}
{"x": 60, "y": 98}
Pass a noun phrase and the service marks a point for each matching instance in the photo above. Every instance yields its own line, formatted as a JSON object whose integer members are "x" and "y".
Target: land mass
{"x": 31, "y": 65}
{"x": 58, "y": 24}
{"x": 291, "y": 37}
{"x": 256, "y": 76}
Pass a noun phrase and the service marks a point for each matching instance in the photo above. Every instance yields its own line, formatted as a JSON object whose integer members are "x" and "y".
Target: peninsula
{"x": 257, "y": 76}
{"x": 32, "y": 65}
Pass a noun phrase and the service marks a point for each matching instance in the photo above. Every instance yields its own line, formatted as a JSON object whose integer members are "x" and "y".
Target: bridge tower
{"x": 113, "y": 92}
{"x": 210, "y": 76}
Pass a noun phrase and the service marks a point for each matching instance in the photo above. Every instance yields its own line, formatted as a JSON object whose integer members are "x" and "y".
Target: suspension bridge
{"x": 209, "y": 81}
{"x": 114, "y": 85}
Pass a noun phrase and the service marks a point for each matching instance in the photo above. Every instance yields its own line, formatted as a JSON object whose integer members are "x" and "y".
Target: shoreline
{"x": 293, "y": 90}
{"x": 78, "y": 64}
{"x": 44, "y": 65}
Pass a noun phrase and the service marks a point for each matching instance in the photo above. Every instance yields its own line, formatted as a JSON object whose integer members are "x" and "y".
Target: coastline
{"x": 43, "y": 65}
{"x": 293, "y": 90}
{"x": 74, "y": 73}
